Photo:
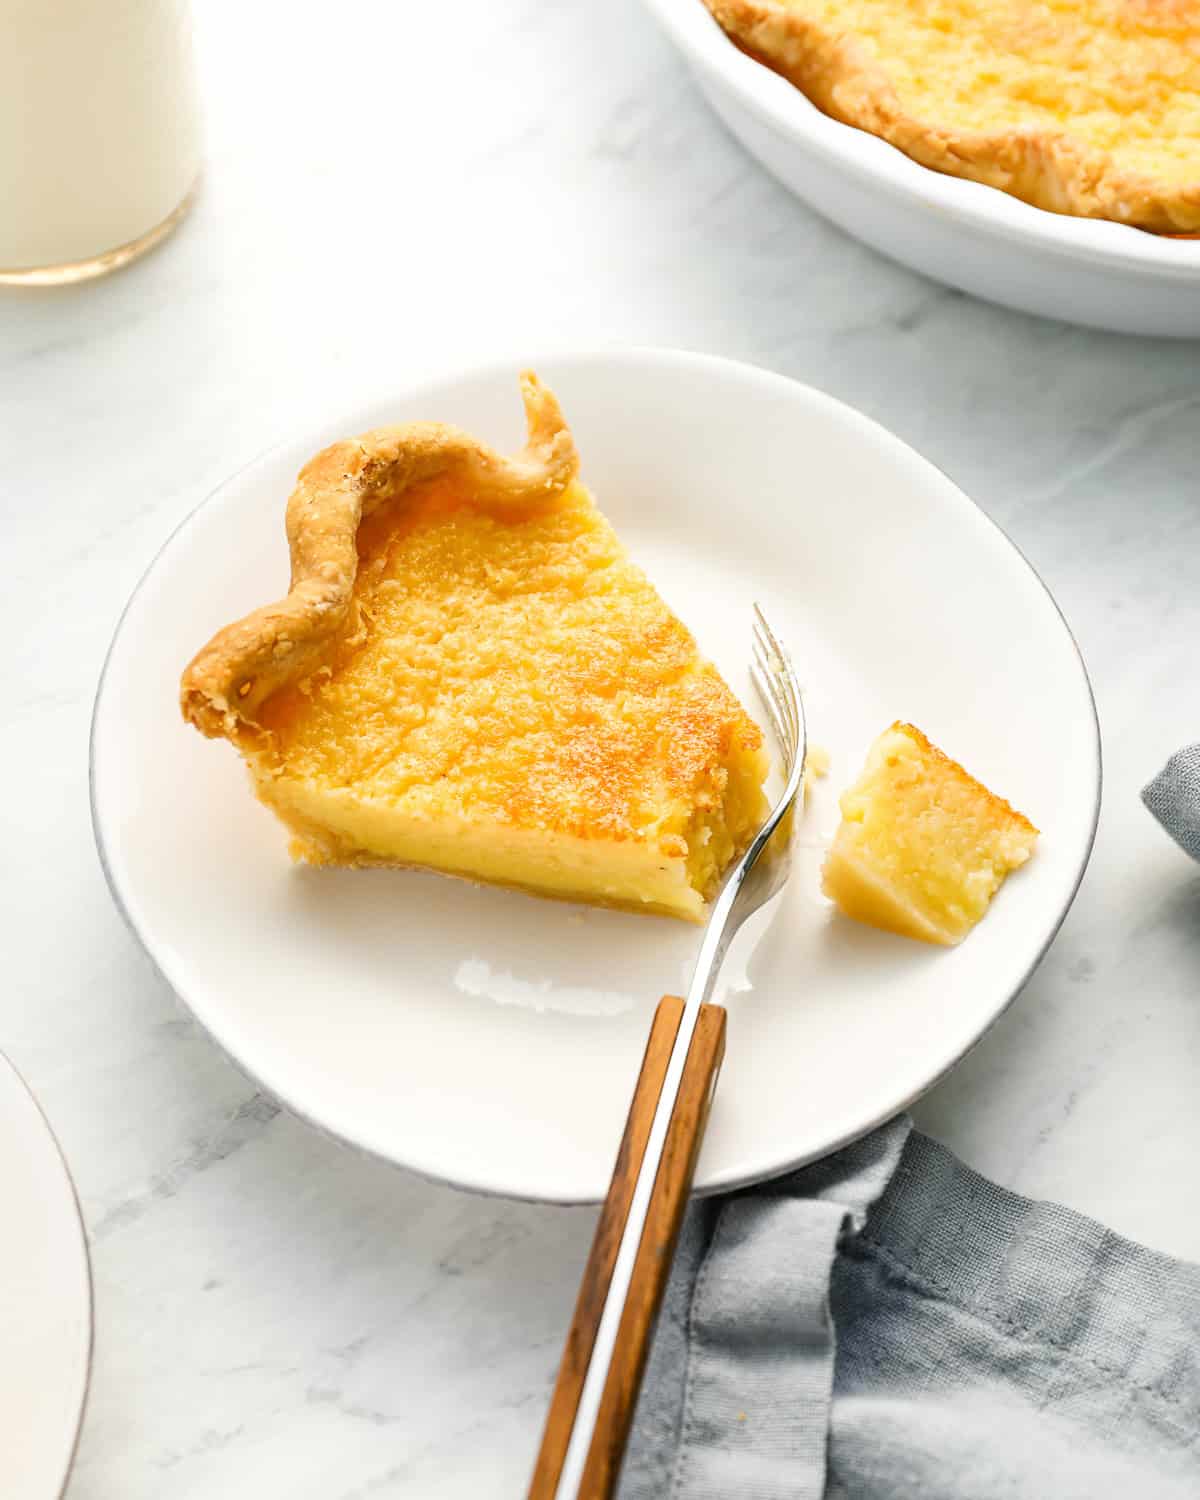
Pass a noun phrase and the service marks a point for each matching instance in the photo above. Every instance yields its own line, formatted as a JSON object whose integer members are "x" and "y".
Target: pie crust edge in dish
{"x": 1049, "y": 169}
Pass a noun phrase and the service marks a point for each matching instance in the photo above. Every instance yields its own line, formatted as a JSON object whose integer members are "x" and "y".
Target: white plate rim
{"x": 781, "y": 105}
{"x": 88, "y": 1286}
{"x": 494, "y": 367}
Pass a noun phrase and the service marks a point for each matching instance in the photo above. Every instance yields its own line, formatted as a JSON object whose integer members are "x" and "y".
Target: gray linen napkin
{"x": 886, "y": 1325}
{"x": 1174, "y": 798}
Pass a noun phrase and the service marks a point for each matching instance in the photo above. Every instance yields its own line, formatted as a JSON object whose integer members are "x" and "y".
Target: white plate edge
{"x": 89, "y": 1286}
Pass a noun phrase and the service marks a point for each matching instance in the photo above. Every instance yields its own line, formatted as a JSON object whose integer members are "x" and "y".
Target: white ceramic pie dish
{"x": 489, "y": 1039}
{"x": 962, "y": 233}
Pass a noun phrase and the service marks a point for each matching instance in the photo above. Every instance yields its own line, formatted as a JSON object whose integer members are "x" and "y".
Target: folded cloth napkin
{"x": 1174, "y": 798}
{"x": 889, "y": 1325}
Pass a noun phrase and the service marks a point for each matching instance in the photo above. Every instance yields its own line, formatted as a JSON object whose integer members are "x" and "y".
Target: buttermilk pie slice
{"x": 923, "y": 847}
{"x": 469, "y": 674}
{"x": 1086, "y": 107}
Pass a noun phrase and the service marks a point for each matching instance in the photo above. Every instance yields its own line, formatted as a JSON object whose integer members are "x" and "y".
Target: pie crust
{"x": 244, "y": 664}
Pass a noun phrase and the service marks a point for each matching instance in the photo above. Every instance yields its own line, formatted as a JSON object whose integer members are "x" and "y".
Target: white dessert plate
{"x": 970, "y": 236}
{"x": 491, "y": 1040}
{"x": 45, "y": 1303}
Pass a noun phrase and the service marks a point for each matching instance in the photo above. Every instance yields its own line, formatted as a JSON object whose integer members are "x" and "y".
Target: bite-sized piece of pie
{"x": 922, "y": 847}
{"x": 1087, "y": 107}
{"x": 470, "y": 674}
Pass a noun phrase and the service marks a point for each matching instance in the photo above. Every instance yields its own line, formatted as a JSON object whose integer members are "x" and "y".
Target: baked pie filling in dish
{"x": 469, "y": 674}
{"x": 1084, "y": 107}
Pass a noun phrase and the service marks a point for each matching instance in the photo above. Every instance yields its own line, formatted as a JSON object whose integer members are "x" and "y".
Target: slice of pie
{"x": 1088, "y": 107}
{"x": 469, "y": 674}
{"x": 922, "y": 847}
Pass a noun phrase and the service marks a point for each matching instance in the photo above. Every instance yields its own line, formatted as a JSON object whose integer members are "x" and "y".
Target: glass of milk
{"x": 99, "y": 138}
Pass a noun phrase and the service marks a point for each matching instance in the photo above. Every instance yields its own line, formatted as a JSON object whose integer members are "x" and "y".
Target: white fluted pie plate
{"x": 491, "y": 1040}
{"x": 970, "y": 236}
{"x": 45, "y": 1302}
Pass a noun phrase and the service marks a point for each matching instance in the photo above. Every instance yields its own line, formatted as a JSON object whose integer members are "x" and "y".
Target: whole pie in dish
{"x": 469, "y": 674}
{"x": 1087, "y": 107}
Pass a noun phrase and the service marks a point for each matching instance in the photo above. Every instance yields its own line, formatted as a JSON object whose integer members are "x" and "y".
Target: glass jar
{"x": 99, "y": 133}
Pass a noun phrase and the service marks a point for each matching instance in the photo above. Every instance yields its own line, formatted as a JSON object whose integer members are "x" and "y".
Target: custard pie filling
{"x": 498, "y": 692}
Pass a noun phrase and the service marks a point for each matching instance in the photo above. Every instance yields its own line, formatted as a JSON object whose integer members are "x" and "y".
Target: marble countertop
{"x": 389, "y": 190}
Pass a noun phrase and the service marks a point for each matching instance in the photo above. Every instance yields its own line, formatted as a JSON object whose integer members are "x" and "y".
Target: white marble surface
{"x": 389, "y": 187}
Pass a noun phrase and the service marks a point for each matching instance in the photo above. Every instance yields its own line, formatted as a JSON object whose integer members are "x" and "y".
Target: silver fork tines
{"x": 766, "y": 864}
{"x": 775, "y": 679}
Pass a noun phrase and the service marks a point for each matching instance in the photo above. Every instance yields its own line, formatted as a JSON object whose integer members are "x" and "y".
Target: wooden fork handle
{"x": 655, "y": 1253}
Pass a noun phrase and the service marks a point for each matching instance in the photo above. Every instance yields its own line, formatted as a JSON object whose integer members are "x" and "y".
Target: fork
{"x": 600, "y": 1375}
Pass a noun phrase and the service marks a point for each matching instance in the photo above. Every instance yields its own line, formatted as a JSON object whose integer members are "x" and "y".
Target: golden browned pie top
{"x": 343, "y": 486}
{"x": 1087, "y": 107}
